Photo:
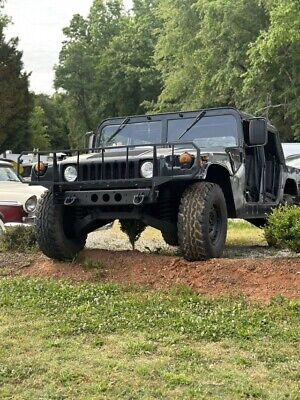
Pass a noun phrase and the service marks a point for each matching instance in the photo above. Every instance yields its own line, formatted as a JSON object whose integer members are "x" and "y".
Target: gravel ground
{"x": 113, "y": 239}
{"x": 152, "y": 241}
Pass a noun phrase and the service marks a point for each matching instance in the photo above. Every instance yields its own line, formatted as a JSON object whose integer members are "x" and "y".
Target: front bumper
{"x": 26, "y": 221}
{"x": 136, "y": 197}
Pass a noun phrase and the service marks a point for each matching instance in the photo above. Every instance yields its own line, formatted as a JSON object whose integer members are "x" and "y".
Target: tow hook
{"x": 70, "y": 200}
{"x": 138, "y": 199}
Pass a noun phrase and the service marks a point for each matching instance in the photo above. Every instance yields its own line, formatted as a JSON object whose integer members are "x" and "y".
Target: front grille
{"x": 109, "y": 171}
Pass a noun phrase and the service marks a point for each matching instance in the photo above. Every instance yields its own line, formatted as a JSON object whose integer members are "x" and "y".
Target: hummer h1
{"x": 183, "y": 173}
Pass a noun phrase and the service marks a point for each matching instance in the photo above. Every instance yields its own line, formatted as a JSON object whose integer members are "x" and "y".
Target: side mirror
{"x": 258, "y": 132}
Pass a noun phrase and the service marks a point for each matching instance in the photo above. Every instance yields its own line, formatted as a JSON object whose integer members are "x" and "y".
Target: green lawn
{"x": 241, "y": 233}
{"x": 65, "y": 341}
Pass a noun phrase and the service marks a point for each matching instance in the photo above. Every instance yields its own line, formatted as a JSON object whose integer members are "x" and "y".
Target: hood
{"x": 18, "y": 191}
{"x": 138, "y": 153}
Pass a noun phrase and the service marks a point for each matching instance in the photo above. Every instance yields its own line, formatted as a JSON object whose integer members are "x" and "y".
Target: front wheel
{"x": 202, "y": 222}
{"x": 54, "y": 230}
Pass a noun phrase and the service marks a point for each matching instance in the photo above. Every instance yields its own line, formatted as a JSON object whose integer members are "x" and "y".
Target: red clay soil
{"x": 258, "y": 279}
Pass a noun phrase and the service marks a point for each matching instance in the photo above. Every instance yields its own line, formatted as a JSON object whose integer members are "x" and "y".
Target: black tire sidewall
{"x": 215, "y": 199}
{"x": 51, "y": 236}
{"x": 193, "y": 221}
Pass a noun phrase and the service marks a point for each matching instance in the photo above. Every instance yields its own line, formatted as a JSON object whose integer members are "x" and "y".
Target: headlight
{"x": 30, "y": 204}
{"x": 147, "y": 170}
{"x": 70, "y": 173}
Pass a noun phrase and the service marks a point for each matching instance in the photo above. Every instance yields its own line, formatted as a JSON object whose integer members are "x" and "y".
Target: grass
{"x": 241, "y": 233}
{"x": 65, "y": 341}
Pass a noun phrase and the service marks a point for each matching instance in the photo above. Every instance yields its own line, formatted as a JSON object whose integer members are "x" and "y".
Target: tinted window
{"x": 132, "y": 134}
{"x": 219, "y": 131}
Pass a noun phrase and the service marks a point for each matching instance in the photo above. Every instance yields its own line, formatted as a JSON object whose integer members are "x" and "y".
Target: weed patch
{"x": 19, "y": 239}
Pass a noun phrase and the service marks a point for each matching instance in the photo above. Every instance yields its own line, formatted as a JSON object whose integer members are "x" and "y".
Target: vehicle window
{"x": 217, "y": 131}
{"x": 132, "y": 134}
{"x": 7, "y": 174}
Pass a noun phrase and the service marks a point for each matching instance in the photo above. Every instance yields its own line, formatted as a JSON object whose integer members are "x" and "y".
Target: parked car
{"x": 291, "y": 149}
{"x": 18, "y": 200}
{"x": 293, "y": 161}
{"x": 292, "y": 154}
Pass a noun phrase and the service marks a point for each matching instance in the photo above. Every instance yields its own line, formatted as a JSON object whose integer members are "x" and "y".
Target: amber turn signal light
{"x": 40, "y": 167}
{"x": 186, "y": 158}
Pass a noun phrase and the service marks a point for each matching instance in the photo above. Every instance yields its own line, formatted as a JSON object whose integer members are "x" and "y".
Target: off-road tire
{"x": 170, "y": 239}
{"x": 202, "y": 222}
{"x": 51, "y": 235}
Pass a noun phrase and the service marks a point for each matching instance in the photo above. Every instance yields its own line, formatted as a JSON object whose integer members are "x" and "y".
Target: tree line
{"x": 163, "y": 55}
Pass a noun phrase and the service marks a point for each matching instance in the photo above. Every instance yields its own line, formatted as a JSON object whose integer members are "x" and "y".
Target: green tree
{"x": 202, "y": 50}
{"x": 174, "y": 52}
{"x": 132, "y": 78}
{"x": 85, "y": 47}
{"x": 55, "y": 119}
{"x": 38, "y": 129}
{"x": 15, "y": 99}
{"x": 106, "y": 65}
{"x": 272, "y": 81}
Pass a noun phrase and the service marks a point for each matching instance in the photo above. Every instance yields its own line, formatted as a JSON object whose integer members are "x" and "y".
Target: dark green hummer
{"x": 183, "y": 173}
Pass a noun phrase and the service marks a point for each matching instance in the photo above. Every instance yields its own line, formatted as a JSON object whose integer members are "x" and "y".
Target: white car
{"x": 293, "y": 161}
{"x": 18, "y": 200}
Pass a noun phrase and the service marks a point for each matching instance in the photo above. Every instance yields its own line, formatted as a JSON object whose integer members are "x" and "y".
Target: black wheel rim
{"x": 214, "y": 224}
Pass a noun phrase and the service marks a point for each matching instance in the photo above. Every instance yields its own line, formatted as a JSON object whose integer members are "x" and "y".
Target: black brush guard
{"x": 163, "y": 171}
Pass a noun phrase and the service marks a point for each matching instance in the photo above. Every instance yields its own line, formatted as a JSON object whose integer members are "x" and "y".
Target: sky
{"x": 39, "y": 24}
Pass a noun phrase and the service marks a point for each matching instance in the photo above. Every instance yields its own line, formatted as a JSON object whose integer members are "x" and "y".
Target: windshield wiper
{"x": 122, "y": 126}
{"x": 197, "y": 119}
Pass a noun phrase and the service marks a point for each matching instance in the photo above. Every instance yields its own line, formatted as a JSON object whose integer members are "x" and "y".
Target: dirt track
{"x": 258, "y": 279}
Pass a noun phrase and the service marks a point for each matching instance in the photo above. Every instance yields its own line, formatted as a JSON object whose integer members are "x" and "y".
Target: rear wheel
{"x": 54, "y": 231}
{"x": 202, "y": 222}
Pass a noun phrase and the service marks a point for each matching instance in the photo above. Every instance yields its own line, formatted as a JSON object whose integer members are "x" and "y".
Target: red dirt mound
{"x": 259, "y": 279}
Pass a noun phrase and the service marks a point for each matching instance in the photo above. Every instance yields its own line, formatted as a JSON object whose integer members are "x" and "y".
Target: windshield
{"x": 132, "y": 134}
{"x": 217, "y": 131}
{"x": 7, "y": 174}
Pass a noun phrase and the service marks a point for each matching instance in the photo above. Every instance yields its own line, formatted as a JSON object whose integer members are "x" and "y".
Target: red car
{"x": 11, "y": 211}
{"x": 18, "y": 200}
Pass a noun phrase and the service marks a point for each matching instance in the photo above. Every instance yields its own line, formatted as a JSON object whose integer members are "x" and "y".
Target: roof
{"x": 222, "y": 110}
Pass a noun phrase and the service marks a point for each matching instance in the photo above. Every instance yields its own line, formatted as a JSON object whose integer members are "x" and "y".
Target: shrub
{"x": 283, "y": 228}
{"x": 20, "y": 239}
